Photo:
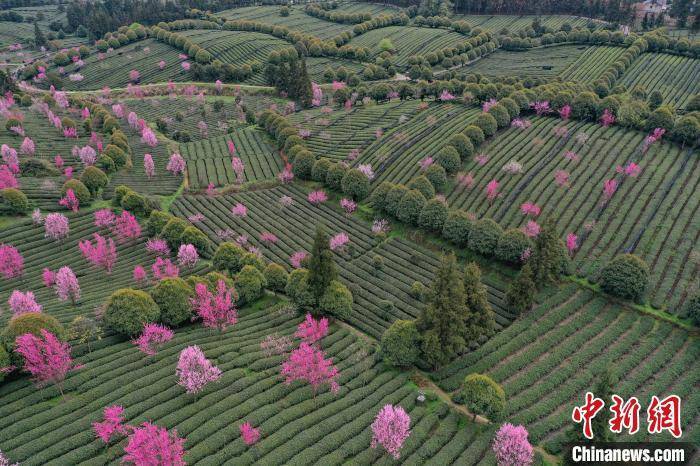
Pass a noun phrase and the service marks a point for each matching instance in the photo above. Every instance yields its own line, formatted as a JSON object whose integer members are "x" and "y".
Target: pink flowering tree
{"x": 239, "y": 210}
{"x": 571, "y": 242}
{"x": 67, "y": 286}
{"x": 153, "y": 337}
{"x": 158, "y": 247}
{"x": 541, "y": 107}
{"x": 46, "y": 358}
{"x": 176, "y": 164}
{"x": 531, "y": 229}
{"x": 512, "y": 447}
{"x": 339, "y": 241}
{"x": 348, "y": 205}
{"x": 149, "y": 166}
{"x": 390, "y": 429}
{"x": 70, "y": 201}
{"x": 529, "y": 208}
{"x": 492, "y": 190}
{"x": 607, "y": 118}
{"x": 194, "y": 370}
{"x": 297, "y": 257}
{"x": 112, "y": 423}
{"x": 126, "y": 227}
{"x": 565, "y": 112}
{"x": 249, "y": 434}
{"x": 148, "y": 137}
{"x": 27, "y": 147}
{"x": 164, "y": 268}
{"x": 312, "y": 330}
{"x": 104, "y": 218}
{"x": 609, "y": 188}
{"x": 238, "y": 169}
{"x": 102, "y": 254}
{"x": 152, "y": 445}
{"x": 309, "y": 364}
{"x": 21, "y": 303}
{"x": 187, "y": 256}
{"x": 48, "y": 277}
{"x": 317, "y": 197}
{"x": 11, "y": 262}
{"x": 7, "y": 178}
{"x": 215, "y": 310}
{"x": 139, "y": 274}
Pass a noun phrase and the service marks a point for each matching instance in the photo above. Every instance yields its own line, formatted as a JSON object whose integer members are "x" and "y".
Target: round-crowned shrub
{"x": 94, "y": 179}
{"x": 172, "y": 295}
{"x": 433, "y": 215}
{"x": 156, "y": 222}
{"x": 335, "y": 175}
{"x": 484, "y": 236}
{"x": 29, "y": 322}
{"x": 417, "y": 290}
{"x": 464, "y": 146}
{"x": 128, "y": 310}
{"x": 449, "y": 159}
{"x": 393, "y": 199}
{"x": 229, "y": 258}
{"x": 692, "y": 308}
{"x": 118, "y": 156}
{"x": 253, "y": 260}
{"x": 501, "y": 115}
{"x": 297, "y": 288}
{"x": 422, "y": 184}
{"x": 79, "y": 189}
{"x": 481, "y": 395}
{"x": 626, "y": 276}
{"x": 172, "y": 232}
{"x": 437, "y": 176}
{"x": 487, "y": 123}
{"x": 457, "y": 227}
{"x": 511, "y": 245}
{"x": 197, "y": 238}
{"x": 410, "y": 207}
{"x": 320, "y": 170}
{"x": 378, "y": 197}
{"x": 4, "y": 361}
{"x": 336, "y": 301}
{"x": 13, "y": 201}
{"x": 250, "y": 284}
{"x": 303, "y": 164}
{"x": 355, "y": 184}
{"x": 133, "y": 202}
{"x": 276, "y": 277}
{"x": 400, "y": 343}
{"x": 475, "y": 135}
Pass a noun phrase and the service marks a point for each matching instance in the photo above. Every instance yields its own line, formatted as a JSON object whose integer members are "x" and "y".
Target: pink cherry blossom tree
{"x": 231, "y": 148}
{"x": 565, "y": 112}
{"x": 239, "y": 210}
{"x": 176, "y": 164}
{"x": 164, "y": 268}
{"x": 390, "y": 429}
{"x": 139, "y": 274}
{"x": 48, "y": 277}
{"x": 148, "y": 137}
{"x": 512, "y": 447}
{"x": 149, "y": 166}
{"x": 152, "y": 445}
{"x": 194, "y": 370}
{"x": 21, "y": 303}
{"x": 249, "y": 434}
{"x": 27, "y": 147}
{"x": 46, "y": 358}
{"x": 571, "y": 242}
{"x": 317, "y": 197}
{"x": 492, "y": 190}
{"x": 7, "y": 178}
{"x": 297, "y": 257}
{"x": 238, "y": 168}
{"x": 312, "y": 330}
{"x": 102, "y": 254}
{"x": 70, "y": 201}
{"x": 153, "y": 337}
{"x": 609, "y": 188}
{"x": 187, "y": 256}
{"x": 11, "y": 262}
{"x": 158, "y": 247}
{"x": 67, "y": 286}
{"x": 531, "y": 229}
{"x": 309, "y": 364}
{"x": 339, "y": 241}
{"x": 607, "y": 118}
{"x": 104, "y": 218}
{"x": 112, "y": 424}
{"x": 529, "y": 208}
{"x": 348, "y": 205}
{"x": 126, "y": 227}
{"x": 216, "y": 310}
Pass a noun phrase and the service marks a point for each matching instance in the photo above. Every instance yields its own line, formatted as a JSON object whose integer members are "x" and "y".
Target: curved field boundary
{"x": 591, "y": 64}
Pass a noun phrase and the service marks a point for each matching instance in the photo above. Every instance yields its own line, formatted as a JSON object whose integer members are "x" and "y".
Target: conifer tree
{"x": 442, "y": 321}
{"x": 304, "y": 94}
{"x": 321, "y": 266}
{"x": 549, "y": 255}
{"x": 480, "y": 319}
{"x": 520, "y": 295}
{"x": 39, "y": 38}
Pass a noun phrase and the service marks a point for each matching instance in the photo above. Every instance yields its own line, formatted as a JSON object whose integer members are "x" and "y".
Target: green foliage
{"x": 433, "y": 215}
{"x": 484, "y": 236}
{"x": 520, "y": 295}
{"x": 480, "y": 322}
{"x": 321, "y": 266}
{"x": 297, "y": 288}
{"x": 84, "y": 330}
{"x": 464, "y": 146}
{"x": 442, "y": 321}
{"x": 662, "y": 117}
{"x": 393, "y": 199}
{"x": 320, "y": 170}
{"x": 4, "y": 361}
{"x": 94, "y": 179}
{"x": 475, "y": 135}
{"x": 128, "y": 310}
{"x": 253, "y": 260}
{"x": 172, "y": 232}
{"x": 303, "y": 165}
{"x": 626, "y": 276}
{"x": 457, "y": 227}
{"x": 378, "y": 197}
{"x": 437, "y": 175}
{"x": 156, "y": 222}
{"x": 500, "y": 114}
{"x": 549, "y": 256}
{"x": 13, "y": 201}
{"x": 410, "y": 207}
{"x": 692, "y": 308}
{"x": 229, "y": 257}
{"x": 250, "y": 284}
{"x": 449, "y": 159}
{"x": 336, "y": 301}
{"x": 172, "y": 295}
{"x": 400, "y": 343}
{"x": 421, "y": 183}
{"x": 29, "y": 322}
{"x": 481, "y": 395}
{"x": 276, "y": 277}
{"x": 79, "y": 189}
{"x": 197, "y": 238}
{"x": 117, "y": 154}
{"x": 335, "y": 175}
{"x": 355, "y": 184}
{"x": 511, "y": 245}
{"x": 487, "y": 123}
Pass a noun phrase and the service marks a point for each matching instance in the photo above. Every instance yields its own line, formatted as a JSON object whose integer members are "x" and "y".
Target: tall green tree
{"x": 321, "y": 266}
{"x": 520, "y": 295}
{"x": 442, "y": 321}
{"x": 39, "y": 37}
{"x": 549, "y": 256}
{"x": 480, "y": 320}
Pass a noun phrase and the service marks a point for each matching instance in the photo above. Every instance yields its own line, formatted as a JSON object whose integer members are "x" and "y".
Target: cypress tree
{"x": 39, "y": 38}
{"x": 480, "y": 319}
{"x": 321, "y": 267}
{"x": 442, "y": 321}
{"x": 549, "y": 255}
{"x": 520, "y": 295}
{"x": 304, "y": 93}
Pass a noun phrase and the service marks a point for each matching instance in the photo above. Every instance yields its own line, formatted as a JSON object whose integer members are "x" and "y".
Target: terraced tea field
{"x": 541, "y": 62}
{"x": 516, "y": 23}
{"x": 591, "y": 64}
